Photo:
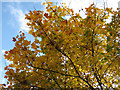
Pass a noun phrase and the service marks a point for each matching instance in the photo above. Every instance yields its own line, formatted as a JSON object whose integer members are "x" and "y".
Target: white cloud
{"x": 8, "y": 62}
{"x": 77, "y": 5}
{"x": 1, "y": 69}
{"x": 20, "y": 16}
{"x": 3, "y": 51}
{"x": 113, "y": 3}
{"x": 4, "y": 81}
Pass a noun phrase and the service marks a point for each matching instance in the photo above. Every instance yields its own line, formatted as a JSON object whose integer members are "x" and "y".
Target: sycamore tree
{"x": 66, "y": 53}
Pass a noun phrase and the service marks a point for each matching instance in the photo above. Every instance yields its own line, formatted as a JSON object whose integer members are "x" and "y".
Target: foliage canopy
{"x": 77, "y": 52}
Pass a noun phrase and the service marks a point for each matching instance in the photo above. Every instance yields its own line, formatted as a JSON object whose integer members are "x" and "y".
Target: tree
{"x": 75, "y": 52}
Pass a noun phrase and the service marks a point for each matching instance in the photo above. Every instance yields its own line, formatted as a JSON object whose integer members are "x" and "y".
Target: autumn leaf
{"x": 46, "y": 15}
{"x": 66, "y": 52}
{"x": 43, "y": 3}
{"x": 5, "y": 76}
{"x": 6, "y": 52}
{"x": 6, "y": 68}
{"x": 14, "y": 39}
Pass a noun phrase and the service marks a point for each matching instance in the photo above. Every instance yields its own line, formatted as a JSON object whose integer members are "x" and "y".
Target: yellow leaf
{"x": 43, "y": 3}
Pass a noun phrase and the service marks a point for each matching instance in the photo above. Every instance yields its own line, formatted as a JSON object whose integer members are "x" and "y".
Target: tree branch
{"x": 56, "y": 81}
{"x": 53, "y": 44}
{"x": 109, "y": 66}
{"x": 49, "y": 70}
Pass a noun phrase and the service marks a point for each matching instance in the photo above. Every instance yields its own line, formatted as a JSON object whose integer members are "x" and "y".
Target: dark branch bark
{"x": 109, "y": 66}
{"x": 56, "y": 81}
{"x": 53, "y": 44}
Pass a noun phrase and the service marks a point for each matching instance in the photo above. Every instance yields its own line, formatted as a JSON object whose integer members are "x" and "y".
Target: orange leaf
{"x": 14, "y": 39}
{"x": 43, "y": 3}
{"x": 64, "y": 22}
{"x": 11, "y": 51}
{"x": 5, "y": 76}
{"x": 6, "y": 67}
{"x": 46, "y": 15}
{"x": 6, "y": 52}
{"x": 7, "y": 82}
{"x": 17, "y": 36}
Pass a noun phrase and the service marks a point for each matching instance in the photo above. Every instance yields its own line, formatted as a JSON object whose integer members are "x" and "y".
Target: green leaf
{"x": 102, "y": 20}
{"x": 102, "y": 53}
{"x": 109, "y": 48}
{"x": 83, "y": 58}
{"x": 108, "y": 38}
{"x": 105, "y": 59}
{"x": 70, "y": 63}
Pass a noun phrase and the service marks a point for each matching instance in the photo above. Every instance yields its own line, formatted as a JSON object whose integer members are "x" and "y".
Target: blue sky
{"x": 13, "y": 21}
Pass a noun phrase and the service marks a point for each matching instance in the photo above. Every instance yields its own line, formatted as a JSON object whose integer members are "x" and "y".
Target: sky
{"x": 12, "y": 20}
